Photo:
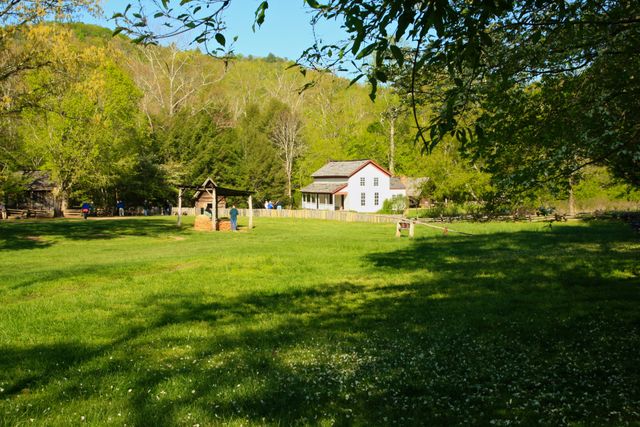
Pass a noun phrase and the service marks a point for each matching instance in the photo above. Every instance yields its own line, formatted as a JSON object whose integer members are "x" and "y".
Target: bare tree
{"x": 287, "y": 90}
{"x": 286, "y": 135}
{"x": 171, "y": 79}
{"x": 390, "y": 115}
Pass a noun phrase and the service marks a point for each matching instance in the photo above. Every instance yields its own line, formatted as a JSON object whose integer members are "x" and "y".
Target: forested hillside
{"x": 108, "y": 119}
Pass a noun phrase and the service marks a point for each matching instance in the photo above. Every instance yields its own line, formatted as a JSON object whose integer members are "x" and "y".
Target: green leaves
{"x": 397, "y": 54}
{"x": 356, "y": 79}
{"x": 367, "y": 50}
{"x": 260, "y": 14}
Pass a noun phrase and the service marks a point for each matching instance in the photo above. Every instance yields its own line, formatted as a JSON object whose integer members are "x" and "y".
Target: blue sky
{"x": 286, "y": 31}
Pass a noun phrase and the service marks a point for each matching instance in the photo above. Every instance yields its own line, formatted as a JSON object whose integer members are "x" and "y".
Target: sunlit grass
{"x": 316, "y": 322}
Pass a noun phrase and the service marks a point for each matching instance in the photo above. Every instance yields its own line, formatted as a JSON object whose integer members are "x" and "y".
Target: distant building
{"x": 38, "y": 193}
{"x": 414, "y": 187}
{"x": 355, "y": 185}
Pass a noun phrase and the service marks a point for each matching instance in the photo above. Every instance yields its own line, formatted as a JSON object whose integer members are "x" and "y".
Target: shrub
{"x": 394, "y": 205}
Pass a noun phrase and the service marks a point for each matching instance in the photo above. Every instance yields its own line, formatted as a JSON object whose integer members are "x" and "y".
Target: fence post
{"x": 179, "y": 207}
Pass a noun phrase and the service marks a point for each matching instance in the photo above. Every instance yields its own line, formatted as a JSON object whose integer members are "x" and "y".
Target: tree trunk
{"x": 572, "y": 201}
{"x": 392, "y": 144}
{"x": 59, "y": 203}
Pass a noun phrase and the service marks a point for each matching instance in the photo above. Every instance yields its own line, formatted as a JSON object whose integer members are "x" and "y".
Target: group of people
{"x": 87, "y": 208}
{"x": 268, "y": 204}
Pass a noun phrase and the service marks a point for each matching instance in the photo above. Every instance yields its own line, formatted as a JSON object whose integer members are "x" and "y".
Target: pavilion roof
{"x": 209, "y": 185}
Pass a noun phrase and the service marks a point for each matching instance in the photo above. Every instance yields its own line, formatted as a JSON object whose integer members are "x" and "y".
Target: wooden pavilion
{"x": 209, "y": 193}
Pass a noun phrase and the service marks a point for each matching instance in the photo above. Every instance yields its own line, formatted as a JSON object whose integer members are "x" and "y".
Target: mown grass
{"x": 137, "y": 322}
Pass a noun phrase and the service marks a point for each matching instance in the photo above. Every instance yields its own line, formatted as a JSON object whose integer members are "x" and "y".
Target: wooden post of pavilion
{"x": 250, "y": 212}
{"x": 214, "y": 207}
{"x": 214, "y": 211}
{"x": 180, "y": 207}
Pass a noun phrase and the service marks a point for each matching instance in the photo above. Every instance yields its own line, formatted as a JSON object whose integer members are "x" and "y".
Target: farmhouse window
{"x": 363, "y": 200}
{"x": 376, "y": 198}
{"x": 362, "y": 182}
{"x": 375, "y": 183}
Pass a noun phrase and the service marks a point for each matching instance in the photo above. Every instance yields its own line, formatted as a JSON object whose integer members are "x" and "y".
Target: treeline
{"x": 109, "y": 120}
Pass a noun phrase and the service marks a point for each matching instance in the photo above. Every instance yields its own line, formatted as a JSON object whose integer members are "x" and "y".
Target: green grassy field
{"x": 137, "y": 322}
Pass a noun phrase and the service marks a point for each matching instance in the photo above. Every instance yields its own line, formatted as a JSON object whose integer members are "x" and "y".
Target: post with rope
{"x": 250, "y": 212}
{"x": 405, "y": 224}
{"x": 179, "y": 206}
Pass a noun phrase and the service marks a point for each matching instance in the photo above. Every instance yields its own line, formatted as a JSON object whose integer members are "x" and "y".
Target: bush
{"x": 396, "y": 204}
{"x": 441, "y": 210}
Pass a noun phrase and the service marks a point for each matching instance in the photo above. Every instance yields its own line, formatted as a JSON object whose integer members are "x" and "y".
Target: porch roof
{"x": 324, "y": 187}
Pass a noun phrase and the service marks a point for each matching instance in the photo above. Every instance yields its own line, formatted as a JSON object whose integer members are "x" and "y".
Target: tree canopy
{"x": 557, "y": 77}
{"x": 511, "y": 101}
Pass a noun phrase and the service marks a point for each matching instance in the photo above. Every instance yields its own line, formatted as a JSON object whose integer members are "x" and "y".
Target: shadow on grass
{"x": 522, "y": 327}
{"x": 44, "y": 233}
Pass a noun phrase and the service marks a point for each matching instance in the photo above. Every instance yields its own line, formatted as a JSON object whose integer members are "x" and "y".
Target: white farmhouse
{"x": 353, "y": 185}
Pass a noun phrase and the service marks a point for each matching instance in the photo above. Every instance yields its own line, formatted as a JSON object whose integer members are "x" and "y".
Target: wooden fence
{"x": 185, "y": 211}
{"x": 345, "y": 216}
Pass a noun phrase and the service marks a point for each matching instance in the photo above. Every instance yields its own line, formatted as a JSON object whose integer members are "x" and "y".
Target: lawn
{"x": 137, "y": 322}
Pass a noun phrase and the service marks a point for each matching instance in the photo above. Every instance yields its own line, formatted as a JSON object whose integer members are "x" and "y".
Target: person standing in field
{"x": 86, "y": 209}
{"x": 120, "y": 206}
{"x": 233, "y": 216}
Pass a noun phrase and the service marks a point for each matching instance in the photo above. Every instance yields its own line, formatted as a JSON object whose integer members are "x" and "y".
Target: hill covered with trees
{"x": 108, "y": 119}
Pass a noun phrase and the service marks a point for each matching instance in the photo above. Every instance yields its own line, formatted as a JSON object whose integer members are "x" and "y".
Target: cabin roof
{"x": 344, "y": 168}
